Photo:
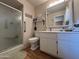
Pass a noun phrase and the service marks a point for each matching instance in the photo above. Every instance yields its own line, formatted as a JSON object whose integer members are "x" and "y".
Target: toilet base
{"x": 34, "y": 48}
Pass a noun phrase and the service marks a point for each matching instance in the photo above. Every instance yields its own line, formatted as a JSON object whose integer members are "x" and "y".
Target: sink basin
{"x": 50, "y": 31}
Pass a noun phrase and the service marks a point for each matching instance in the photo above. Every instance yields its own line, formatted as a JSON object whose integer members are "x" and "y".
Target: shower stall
{"x": 10, "y": 29}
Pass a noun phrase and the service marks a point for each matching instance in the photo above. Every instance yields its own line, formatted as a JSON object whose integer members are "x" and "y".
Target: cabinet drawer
{"x": 48, "y": 35}
{"x": 68, "y": 36}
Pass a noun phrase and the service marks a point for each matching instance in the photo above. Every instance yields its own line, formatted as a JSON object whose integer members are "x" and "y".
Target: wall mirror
{"x": 55, "y": 14}
{"x": 59, "y": 14}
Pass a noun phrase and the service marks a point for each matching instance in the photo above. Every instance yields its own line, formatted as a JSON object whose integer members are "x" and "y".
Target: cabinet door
{"x": 68, "y": 50}
{"x": 48, "y": 43}
{"x": 68, "y": 46}
{"x": 63, "y": 49}
{"x": 49, "y": 46}
{"x": 43, "y": 45}
{"x": 52, "y": 47}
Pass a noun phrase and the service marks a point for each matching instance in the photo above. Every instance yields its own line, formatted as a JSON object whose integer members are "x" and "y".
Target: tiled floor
{"x": 37, "y": 55}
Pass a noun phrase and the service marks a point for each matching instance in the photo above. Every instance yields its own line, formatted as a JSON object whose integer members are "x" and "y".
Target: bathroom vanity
{"x": 61, "y": 44}
{"x": 58, "y": 38}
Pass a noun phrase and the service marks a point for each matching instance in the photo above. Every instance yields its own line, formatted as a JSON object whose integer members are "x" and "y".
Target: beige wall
{"x": 39, "y": 10}
{"x": 29, "y": 9}
{"x": 42, "y": 8}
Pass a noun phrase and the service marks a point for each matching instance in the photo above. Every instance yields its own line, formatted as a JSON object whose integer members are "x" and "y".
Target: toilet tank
{"x": 37, "y": 34}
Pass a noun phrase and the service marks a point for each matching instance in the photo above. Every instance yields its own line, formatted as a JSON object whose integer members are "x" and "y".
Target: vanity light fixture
{"x": 56, "y": 3}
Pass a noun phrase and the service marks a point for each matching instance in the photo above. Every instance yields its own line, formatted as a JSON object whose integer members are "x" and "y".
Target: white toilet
{"x": 34, "y": 43}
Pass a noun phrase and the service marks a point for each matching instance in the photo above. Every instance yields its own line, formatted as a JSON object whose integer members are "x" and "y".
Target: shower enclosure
{"x": 10, "y": 27}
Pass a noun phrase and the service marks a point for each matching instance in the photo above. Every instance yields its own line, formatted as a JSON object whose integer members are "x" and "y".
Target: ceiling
{"x": 37, "y": 2}
{"x": 13, "y": 3}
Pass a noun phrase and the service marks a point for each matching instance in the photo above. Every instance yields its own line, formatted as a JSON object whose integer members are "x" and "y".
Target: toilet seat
{"x": 35, "y": 39}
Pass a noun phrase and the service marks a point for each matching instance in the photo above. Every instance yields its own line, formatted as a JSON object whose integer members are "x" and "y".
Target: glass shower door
{"x": 10, "y": 27}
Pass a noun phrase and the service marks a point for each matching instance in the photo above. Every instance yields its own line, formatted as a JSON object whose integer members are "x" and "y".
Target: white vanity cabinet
{"x": 68, "y": 45}
{"x": 48, "y": 43}
{"x": 62, "y": 44}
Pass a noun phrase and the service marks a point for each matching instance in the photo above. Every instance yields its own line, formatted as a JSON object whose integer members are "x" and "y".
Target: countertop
{"x": 56, "y": 32}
